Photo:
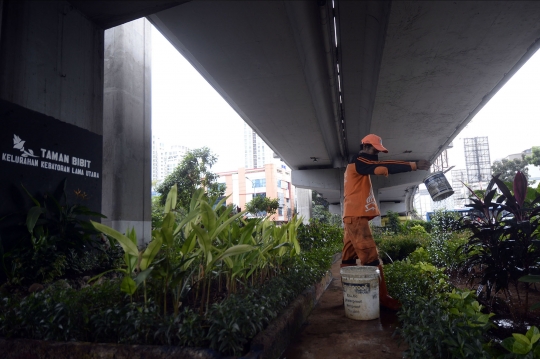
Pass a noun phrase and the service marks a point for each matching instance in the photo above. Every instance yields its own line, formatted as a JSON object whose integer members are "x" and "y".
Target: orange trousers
{"x": 358, "y": 241}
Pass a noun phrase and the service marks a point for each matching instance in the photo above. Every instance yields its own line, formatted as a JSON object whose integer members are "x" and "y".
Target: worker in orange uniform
{"x": 359, "y": 207}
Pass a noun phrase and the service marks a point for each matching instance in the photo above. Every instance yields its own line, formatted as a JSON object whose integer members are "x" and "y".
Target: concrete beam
{"x": 328, "y": 182}
{"x": 108, "y": 14}
{"x": 398, "y": 179}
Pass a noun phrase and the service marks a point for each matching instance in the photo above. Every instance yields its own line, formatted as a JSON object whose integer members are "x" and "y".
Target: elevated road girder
{"x": 414, "y": 72}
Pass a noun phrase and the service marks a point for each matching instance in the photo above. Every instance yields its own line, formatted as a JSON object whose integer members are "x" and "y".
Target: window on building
{"x": 262, "y": 194}
{"x": 280, "y": 211}
{"x": 258, "y": 183}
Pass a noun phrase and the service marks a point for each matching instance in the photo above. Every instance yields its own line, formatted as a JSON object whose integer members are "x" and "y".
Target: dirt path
{"x": 328, "y": 334}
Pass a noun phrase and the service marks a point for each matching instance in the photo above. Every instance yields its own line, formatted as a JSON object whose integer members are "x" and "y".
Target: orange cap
{"x": 375, "y": 141}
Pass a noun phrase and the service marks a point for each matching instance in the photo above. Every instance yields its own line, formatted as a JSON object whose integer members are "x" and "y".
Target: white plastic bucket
{"x": 361, "y": 292}
{"x": 438, "y": 186}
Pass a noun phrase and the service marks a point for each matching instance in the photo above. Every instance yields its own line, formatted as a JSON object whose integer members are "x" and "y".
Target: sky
{"x": 187, "y": 111}
{"x": 510, "y": 120}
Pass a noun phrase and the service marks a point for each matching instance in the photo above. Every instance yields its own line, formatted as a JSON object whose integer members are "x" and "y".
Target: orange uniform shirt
{"x": 359, "y": 199}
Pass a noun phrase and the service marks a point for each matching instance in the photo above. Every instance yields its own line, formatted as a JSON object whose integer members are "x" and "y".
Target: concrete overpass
{"x": 311, "y": 77}
{"x": 328, "y": 73}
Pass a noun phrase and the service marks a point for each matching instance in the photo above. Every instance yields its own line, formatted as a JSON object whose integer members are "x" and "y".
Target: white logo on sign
{"x": 19, "y": 145}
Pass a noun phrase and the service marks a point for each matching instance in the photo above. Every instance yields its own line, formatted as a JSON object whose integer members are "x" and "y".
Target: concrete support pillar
{"x": 303, "y": 203}
{"x": 127, "y": 136}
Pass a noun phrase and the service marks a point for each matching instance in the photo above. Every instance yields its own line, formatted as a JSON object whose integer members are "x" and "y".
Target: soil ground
{"x": 329, "y": 334}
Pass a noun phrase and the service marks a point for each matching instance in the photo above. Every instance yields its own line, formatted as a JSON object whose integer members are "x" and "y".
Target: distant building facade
{"x": 165, "y": 158}
{"x": 272, "y": 180}
{"x": 256, "y": 152}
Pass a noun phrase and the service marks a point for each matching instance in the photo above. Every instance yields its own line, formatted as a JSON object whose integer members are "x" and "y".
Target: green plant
{"x": 53, "y": 229}
{"x": 504, "y": 234}
{"x": 523, "y": 346}
{"x": 261, "y": 206}
{"x": 319, "y": 234}
{"x": 419, "y": 255}
{"x": 194, "y": 172}
{"x": 531, "y": 278}
{"x": 398, "y": 247}
{"x": 393, "y": 223}
{"x": 450, "y": 325}
{"x": 407, "y": 281}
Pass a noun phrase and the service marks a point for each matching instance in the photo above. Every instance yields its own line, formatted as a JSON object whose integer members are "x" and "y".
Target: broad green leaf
{"x": 537, "y": 349}
{"x": 226, "y": 224}
{"x": 150, "y": 253}
{"x": 170, "y": 203}
{"x": 533, "y": 334}
{"x": 32, "y": 217}
{"x": 189, "y": 244}
{"x": 127, "y": 245}
{"x": 208, "y": 218}
{"x": 31, "y": 197}
{"x": 508, "y": 344}
{"x": 128, "y": 285}
{"x": 132, "y": 235}
{"x": 107, "y": 271}
{"x": 530, "y": 279}
{"x": 167, "y": 228}
{"x": 141, "y": 277}
{"x": 521, "y": 338}
{"x": 202, "y": 239}
{"x": 235, "y": 250}
{"x": 156, "y": 233}
{"x": 190, "y": 216}
{"x": 197, "y": 196}
{"x": 520, "y": 347}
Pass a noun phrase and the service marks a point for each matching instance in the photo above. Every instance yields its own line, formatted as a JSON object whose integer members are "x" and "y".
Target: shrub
{"x": 407, "y": 281}
{"x": 419, "y": 255}
{"x": 398, "y": 247}
{"x": 393, "y": 223}
{"x": 317, "y": 234}
{"x": 450, "y": 325}
{"x": 102, "y": 313}
{"x": 447, "y": 251}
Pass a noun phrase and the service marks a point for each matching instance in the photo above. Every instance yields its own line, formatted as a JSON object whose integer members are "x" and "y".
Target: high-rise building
{"x": 256, "y": 152}
{"x": 165, "y": 158}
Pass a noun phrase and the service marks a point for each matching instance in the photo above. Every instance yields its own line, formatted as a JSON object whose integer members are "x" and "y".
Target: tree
{"x": 192, "y": 173}
{"x": 320, "y": 212}
{"x": 534, "y": 158}
{"x": 509, "y": 168}
{"x": 260, "y": 206}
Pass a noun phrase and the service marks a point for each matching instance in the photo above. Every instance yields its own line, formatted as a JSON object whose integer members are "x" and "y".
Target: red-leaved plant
{"x": 503, "y": 246}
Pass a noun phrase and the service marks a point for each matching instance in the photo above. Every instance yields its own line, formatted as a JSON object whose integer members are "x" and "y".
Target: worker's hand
{"x": 423, "y": 165}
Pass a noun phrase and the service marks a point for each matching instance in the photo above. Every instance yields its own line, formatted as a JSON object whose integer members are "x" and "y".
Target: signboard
{"x": 40, "y": 152}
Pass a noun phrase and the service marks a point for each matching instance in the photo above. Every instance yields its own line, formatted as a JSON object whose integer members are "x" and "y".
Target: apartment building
{"x": 165, "y": 158}
{"x": 256, "y": 152}
{"x": 273, "y": 180}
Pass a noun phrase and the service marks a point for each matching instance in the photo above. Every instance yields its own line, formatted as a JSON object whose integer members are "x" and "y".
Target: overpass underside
{"x": 311, "y": 77}
{"x": 314, "y": 77}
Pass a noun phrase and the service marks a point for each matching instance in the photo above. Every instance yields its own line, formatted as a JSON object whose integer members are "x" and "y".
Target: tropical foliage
{"x": 209, "y": 278}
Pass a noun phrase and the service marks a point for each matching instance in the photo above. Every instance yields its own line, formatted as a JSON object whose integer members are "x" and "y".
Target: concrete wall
{"x": 127, "y": 128}
{"x": 51, "y": 61}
